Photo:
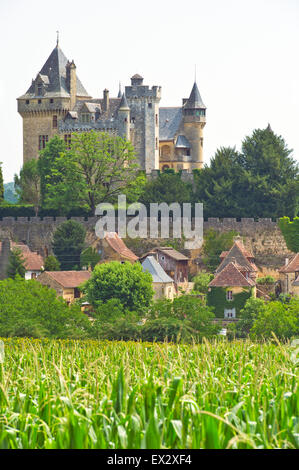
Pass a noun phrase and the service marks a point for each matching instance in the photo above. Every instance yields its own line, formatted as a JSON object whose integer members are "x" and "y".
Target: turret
{"x": 124, "y": 115}
{"x": 106, "y": 100}
{"x": 194, "y": 120}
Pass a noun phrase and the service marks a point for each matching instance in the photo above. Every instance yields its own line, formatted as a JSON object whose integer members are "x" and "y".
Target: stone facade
{"x": 57, "y": 102}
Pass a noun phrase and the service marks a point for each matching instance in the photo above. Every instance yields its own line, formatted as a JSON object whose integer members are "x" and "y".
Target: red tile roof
{"x": 230, "y": 276}
{"x": 119, "y": 246}
{"x": 33, "y": 261}
{"x": 292, "y": 266}
{"x": 68, "y": 279}
{"x": 238, "y": 255}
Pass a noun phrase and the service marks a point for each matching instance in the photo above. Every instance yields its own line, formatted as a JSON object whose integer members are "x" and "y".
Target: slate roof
{"x": 194, "y": 100}
{"x": 156, "y": 270}
{"x": 237, "y": 255}
{"x": 169, "y": 122}
{"x": 182, "y": 142}
{"x": 137, "y": 76}
{"x": 118, "y": 245}
{"x": 230, "y": 276}
{"x": 123, "y": 103}
{"x": 55, "y": 70}
{"x": 172, "y": 253}
{"x": 112, "y": 111}
{"x": 68, "y": 279}
{"x": 292, "y": 266}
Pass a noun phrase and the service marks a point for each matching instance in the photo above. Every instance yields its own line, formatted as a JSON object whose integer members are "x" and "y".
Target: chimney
{"x": 286, "y": 261}
{"x": 71, "y": 81}
{"x": 106, "y": 99}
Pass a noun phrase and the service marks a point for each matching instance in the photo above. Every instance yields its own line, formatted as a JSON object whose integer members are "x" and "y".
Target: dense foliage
{"x": 16, "y": 264}
{"x": 166, "y": 187}
{"x": 27, "y": 185}
{"x": 123, "y": 281}
{"x": 116, "y": 395}
{"x": 68, "y": 243}
{"x": 290, "y": 231}
{"x": 51, "y": 263}
{"x": 214, "y": 243}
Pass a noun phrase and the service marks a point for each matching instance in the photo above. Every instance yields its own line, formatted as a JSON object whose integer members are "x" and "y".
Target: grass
{"x": 90, "y": 394}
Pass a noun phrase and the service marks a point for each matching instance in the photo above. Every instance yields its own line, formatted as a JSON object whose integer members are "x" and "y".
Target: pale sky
{"x": 246, "y": 54}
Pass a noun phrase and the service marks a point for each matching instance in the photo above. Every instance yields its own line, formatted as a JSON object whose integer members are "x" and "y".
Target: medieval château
{"x": 57, "y": 102}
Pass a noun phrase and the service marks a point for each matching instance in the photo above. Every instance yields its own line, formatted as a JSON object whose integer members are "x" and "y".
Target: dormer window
{"x": 39, "y": 89}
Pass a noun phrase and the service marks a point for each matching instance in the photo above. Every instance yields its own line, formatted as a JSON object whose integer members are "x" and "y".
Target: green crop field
{"x": 90, "y": 394}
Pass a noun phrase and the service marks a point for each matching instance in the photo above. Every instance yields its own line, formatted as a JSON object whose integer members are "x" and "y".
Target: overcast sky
{"x": 245, "y": 51}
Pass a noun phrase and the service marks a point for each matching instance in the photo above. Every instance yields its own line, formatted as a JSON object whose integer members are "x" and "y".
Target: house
{"x": 113, "y": 248}
{"x": 229, "y": 291}
{"x": 33, "y": 262}
{"x": 234, "y": 282}
{"x": 174, "y": 263}
{"x": 289, "y": 276}
{"x": 65, "y": 283}
{"x": 163, "y": 285}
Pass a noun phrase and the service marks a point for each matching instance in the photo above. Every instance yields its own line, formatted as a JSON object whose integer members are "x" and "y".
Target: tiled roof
{"x": 172, "y": 253}
{"x": 55, "y": 71}
{"x": 32, "y": 260}
{"x": 292, "y": 266}
{"x": 69, "y": 279}
{"x": 119, "y": 246}
{"x": 156, "y": 270}
{"x": 230, "y": 276}
{"x": 237, "y": 255}
{"x": 169, "y": 122}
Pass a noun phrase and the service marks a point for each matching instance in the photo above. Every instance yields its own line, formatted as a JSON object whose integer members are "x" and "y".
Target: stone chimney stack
{"x": 106, "y": 99}
{"x": 71, "y": 80}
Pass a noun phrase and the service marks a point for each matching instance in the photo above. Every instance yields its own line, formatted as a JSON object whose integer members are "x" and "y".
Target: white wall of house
{"x": 30, "y": 274}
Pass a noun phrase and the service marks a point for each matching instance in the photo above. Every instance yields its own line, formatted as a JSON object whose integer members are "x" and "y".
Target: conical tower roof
{"x": 124, "y": 103}
{"x": 53, "y": 73}
{"x": 195, "y": 100}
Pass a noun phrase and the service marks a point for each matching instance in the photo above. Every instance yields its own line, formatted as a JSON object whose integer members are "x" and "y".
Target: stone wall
{"x": 262, "y": 237}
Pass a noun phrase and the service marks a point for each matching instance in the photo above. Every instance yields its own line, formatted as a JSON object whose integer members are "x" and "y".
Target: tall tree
{"x": 98, "y": 167}
{"x": 28, "y": 184}
{"x": 16, "y": 265}
{"x": 167, "y": 187}
{"x": 68, "y": 243}
{"x": 47, "y": 164}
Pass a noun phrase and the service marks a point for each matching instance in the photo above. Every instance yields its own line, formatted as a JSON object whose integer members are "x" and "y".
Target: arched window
{"x": 165, "y": 167}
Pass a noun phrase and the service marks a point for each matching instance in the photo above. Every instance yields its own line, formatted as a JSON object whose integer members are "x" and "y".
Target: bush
{"x": 17, "y": 210}
{"x": 265, "y": 280}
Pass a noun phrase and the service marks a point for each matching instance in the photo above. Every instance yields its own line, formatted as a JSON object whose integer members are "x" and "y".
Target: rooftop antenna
{"x": 57, "y": 42}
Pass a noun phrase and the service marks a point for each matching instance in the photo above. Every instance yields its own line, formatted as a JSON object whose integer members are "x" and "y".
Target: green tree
{"x": 214, "y": 243}
{"x": 167, "y": 187}
{"x": 16, "y": 264}
{"x": 51, "y": 263}
{"x": 28, "y": 308}
{"x": 202, "y": 281}
{"x": 27, "y": 185}
{"x": 290, "y": 231}
{"x": 248, "y": 314}
{"x": 279, "y": 318}
{"x": 123, "y": 281}
{"x": 49, "y": 176}
{"x": 68, "y": 243}
{"x": 96, "y": 169}
{"x": 89, "y": 257}
{"x": 1, "y": 185}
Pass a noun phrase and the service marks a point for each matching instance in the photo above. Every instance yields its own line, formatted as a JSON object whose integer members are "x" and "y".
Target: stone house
{"x": 33, "y": 262}
{"x": 65, "y": 283}
{"x": 174, "y": 263}
{"x": 57, "y": 103}
{"x": 113, "y": 248}
{"x": 163, "y": 285}
{"x": 289, "y": 276}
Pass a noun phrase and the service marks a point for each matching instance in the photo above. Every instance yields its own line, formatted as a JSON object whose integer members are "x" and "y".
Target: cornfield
{"x": 117, "y": 395}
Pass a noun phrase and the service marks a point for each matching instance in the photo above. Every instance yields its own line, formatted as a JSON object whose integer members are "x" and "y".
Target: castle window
{"x": 188, "y": 152}
{"x": 201, "y": 142}
{"x": 39, "y": 89}
{"x": 156, "y": 143}
{"x": 165, "y": 167}
{"x": 133, "y": 120}
{"x": 156, "y": 119}
{"x": 68, "y": 140}
{"x": 85, "y": 117}
{"x": 51, "y": 101}
{"x": 42, "y": 140}
{"x": 39, "y": 101}
{"x": 54, "y": 122}
{"x": 150, "y": 105}
{"x": 27, "y": 101}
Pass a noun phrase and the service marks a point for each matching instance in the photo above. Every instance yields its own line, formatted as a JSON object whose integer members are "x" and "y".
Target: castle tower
{"x": 51, "y": 95}
{"x": 144, "y": 105}
{"x": 194, "y": 120}
{"x": 124, "y": 117}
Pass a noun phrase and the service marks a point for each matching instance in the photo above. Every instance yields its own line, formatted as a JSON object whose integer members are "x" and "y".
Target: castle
{"x": 57, "y": 103}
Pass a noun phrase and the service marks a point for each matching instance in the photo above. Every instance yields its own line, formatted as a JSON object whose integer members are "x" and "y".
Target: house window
{"x": 76, "y": 293}
{"x": 165, "y": 167}
{"x": 229, "y": 295}
{"x": 54, "y": 122}
{"x": 68, "y": 140}
{"x": 33, "y": 275}
{"x": 85, "y": 117}
{"x": 42, "y": 140}
{"x": 229, "y": 313}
